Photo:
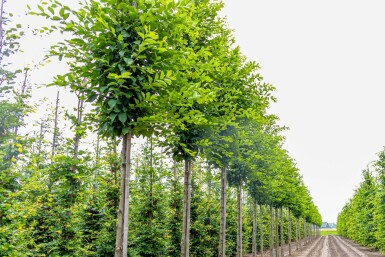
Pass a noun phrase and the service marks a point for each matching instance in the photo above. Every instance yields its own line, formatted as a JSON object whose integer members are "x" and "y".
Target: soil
{"x": 327, "y": 246}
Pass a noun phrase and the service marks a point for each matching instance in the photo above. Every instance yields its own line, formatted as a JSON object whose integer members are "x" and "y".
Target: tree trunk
{"x": 239, "y": 234}
{"x": 22, "y": 92}
{"x": 304, "y": 232}
{"x": 277, "y": 252}
{"x": 151, "y": 202}
{"x": 186, "y": 210}
{"x": 97, "y": 160}
{"x": 297, "y": 235}
{"x": 1, "y": 30}
{"x": 261, "y": 229}
{"x": 122, "y": 226}
{"x": 281, "y": 230}
{"x": 55, "y": 127}
{"x": 289, "y": 233}
{"x": 222, "y": 232}
{"x": 254, "y": 241}
{"x": 271, "y": 243}
{"x": 79, "y": 121}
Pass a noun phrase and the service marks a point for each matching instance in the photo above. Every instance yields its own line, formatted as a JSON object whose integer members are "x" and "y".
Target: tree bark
{"x": 298, "y": 235}
{"x": 271, "y": 243}
{"x": 239, "y": 234}
{"x": 186, "y": 210}
{"x": 1, "y": 30}
{"x": 261, "y": 228}
{"x": 79, "y": 121}
{"x": 55, "y": 127}
{"x": 222, "y": 232}
{"x": 22, "y": 92}
{"x": 254, "y": 240}
{"x": 289, "y": 233}
{"x": 304, "y": 232}
{"x": 277, "y": 252}
{"x": 122, "y": 226}
{"x": 281, "y": 230}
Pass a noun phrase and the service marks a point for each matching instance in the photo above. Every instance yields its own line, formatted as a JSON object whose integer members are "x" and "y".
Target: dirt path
{"x": 328, "y": 246}
{"x": 336, "y": 246}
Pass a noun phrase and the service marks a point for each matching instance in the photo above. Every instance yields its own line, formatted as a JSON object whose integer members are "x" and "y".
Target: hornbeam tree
{"x": 127, "y": 55}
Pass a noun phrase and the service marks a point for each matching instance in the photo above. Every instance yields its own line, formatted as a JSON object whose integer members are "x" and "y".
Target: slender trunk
{"x": 151, "y": 209}
{"x": 186, "y": 210}
{"x": 54, "y": 139}
{"x": 1, "y": 30}
{"x": 222, "y": 232}
{"x": 96, "y": 172}
{"x": 40, "y": 140}
{"x": 297, "y": 235}
{"x": 304, "y": 232}
{"x": 76, "y": 143}
{"x": 289, "y": 233}
{"x": 271, "y": 243}
{"x": 281, "y": 230}
{"x": 78, "y": 123}
{"x": 22, "y": 92}
{"x": 254, "y": 240}
{"x": 122, "y": 226}
{"x": 277, "y": 252}
{"x": 115, "y": 164}
{"x": 261, "y": 228}
{"x": 239, "y": 234}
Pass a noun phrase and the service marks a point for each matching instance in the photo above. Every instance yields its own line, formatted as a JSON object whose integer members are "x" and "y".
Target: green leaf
{"x": 112, "y": 103}
{"x": 91, "y": 97}
{"x": 125, "y": 130}
{"x": 123, "y": 117}
{"x": 126, "y": 75}
{"x": 128, "y": 61}
{"x": 51, "y": 9}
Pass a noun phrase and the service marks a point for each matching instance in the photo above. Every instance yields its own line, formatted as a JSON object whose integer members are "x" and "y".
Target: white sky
{"x": 327, "y": 61}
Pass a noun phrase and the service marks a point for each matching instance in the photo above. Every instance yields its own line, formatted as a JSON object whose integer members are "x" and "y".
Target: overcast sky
{"x": 327, "y": 61}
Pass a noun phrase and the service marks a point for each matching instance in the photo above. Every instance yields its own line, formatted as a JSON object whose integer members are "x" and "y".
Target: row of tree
{"x": 168, "y": 74}
{"x": 363, "y": 218}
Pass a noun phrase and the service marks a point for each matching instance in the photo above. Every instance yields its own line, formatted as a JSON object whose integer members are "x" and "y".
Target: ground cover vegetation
{"x": 363, "y": 218}
{"x": 184, "y": 158}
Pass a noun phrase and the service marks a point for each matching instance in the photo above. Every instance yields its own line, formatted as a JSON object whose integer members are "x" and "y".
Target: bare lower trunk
{"x": 239, "y": 234}
{"x": 289, "y": 233}
{"x": 222, "y": 233}
{"x": 281, "y": 230}
{"x": 304, "y": 231}
{"x": 271, "y": 243}
{"x": 261, "y": 228}
{"x": 79, "y": 121}
{"x": 22, "y": 92}
{"x": 122, "y": 226}
{"x": 297, "y": 235}
{"x": 254, "y": 241}
{"x": 96, "y": 172}
{"x": 186, "y": 210}
{"x": 277, "y": 252}
{"x": 1, "y": 29}
{"x": 54, "y": 139}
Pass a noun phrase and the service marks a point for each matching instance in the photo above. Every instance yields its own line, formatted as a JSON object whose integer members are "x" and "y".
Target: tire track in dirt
{"x": 316, "y": 246}
{"x": 334, "y": 250}
{"x": 325, "y": 248}
{"x": 351, "y": 250}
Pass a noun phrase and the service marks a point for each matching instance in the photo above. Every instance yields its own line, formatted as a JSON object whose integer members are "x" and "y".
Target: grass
{"x": 325, "y": 232}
